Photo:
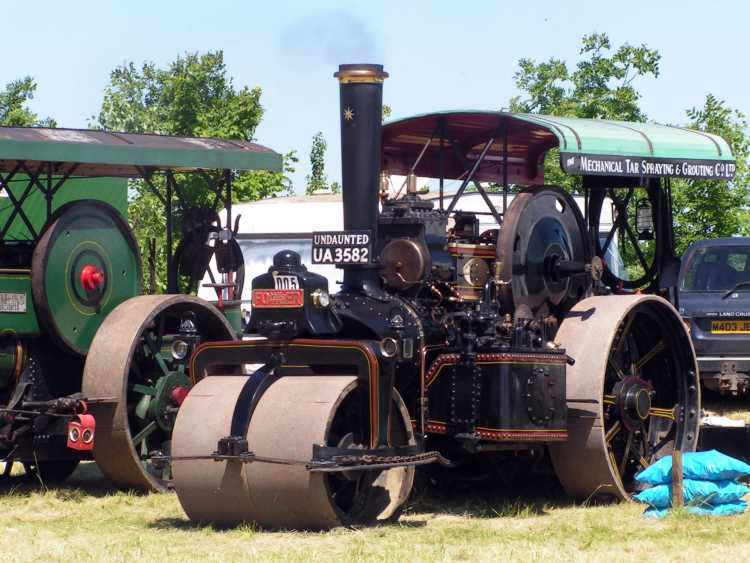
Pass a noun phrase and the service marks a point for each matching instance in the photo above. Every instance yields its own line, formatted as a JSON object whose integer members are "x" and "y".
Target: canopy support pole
{"x": 441, "y": 161}
{"x": 480, "y": 189}
{"x": 18, "y": 203}
{"x": 470, "y": 177}
{"x": 171, "y": 277}
{"x": 48, "y": 190}
{"x": 505, "y": 169}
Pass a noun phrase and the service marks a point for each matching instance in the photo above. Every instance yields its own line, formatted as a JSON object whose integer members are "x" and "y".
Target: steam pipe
{"x": 361, "y": 102}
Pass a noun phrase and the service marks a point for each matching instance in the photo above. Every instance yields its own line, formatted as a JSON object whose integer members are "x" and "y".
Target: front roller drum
{"x": 293, "y": 414}
{"x": 633, "y": 394}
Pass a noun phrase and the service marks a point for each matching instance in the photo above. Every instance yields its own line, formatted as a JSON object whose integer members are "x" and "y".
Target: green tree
{"x": 711, "y": 208}
{"x": 601, "y": 85}
{"x": 14, "y": 111}
{"x": 318, "y": 179}
{"x": 193, "y": 96}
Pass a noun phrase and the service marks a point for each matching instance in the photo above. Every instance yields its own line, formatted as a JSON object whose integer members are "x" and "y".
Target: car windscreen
{"x": 716, "y": 268}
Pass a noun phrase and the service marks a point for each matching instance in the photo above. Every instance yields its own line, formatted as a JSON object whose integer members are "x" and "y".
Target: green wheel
{"x": 85, "y": 264}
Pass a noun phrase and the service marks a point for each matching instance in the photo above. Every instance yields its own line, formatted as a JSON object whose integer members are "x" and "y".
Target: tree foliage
{"x": 14, "y": 111}
{"x": 601, "y": 85}
{"x": 711, "y": 208}
{"x": 317, "y": 179}
{"x": 193, "y": 96}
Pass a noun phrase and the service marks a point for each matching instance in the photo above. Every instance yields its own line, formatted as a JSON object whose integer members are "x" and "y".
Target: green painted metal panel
{"x": 21, "y": 323}
{"x": 113, "y": 191}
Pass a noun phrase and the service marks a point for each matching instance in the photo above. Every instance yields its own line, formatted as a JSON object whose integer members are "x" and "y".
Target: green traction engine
{"x": 89, "y": 367}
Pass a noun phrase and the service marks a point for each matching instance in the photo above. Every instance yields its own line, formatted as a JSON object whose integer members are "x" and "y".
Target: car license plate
{"x": 730, "y": 327}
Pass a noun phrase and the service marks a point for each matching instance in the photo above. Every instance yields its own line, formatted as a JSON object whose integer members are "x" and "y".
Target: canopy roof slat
{"x": 105, "y": 153}
{"x": 592, "y": 147}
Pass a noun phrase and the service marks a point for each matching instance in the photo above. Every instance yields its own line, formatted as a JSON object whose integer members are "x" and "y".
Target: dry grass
{"x": 87, "y": 520}
{"x": 730, "y": 407}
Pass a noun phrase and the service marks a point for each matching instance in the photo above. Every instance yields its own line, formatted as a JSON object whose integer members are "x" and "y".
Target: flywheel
{"x": 543, "y": 233}
{"x": 633, "y": 393}
{"x": 136, "y": 377}
{"x": 293, "y": 414}
{"x": 84, "y": 265}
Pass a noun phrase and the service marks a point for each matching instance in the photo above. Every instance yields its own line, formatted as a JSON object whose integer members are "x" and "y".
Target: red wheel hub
{"x": 178, "y": 395}
{"x": 92, "y": 277}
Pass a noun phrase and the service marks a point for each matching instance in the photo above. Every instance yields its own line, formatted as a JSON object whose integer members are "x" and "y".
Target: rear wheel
{"x": 137, "y": 375}
{"x": 633, "y": 393}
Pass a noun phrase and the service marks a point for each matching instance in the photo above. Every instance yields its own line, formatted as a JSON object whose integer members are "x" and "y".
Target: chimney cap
{"x": 361, "y": 73}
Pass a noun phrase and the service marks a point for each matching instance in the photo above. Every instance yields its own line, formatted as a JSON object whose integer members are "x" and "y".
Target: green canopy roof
{"x": 104, "y": 153}
{"x": 594, "y": 147}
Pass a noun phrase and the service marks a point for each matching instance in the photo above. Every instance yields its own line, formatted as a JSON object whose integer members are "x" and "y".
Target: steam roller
{"x": 281, "y": 492}
{"x": 477, "y": 352}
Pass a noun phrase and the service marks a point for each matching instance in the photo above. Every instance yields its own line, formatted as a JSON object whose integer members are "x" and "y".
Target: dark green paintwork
{"x": 21, "y": 324}
{"x": 232, "y": 311}
{"x": 87, "y": 236}
{"x": 113, "y": 191}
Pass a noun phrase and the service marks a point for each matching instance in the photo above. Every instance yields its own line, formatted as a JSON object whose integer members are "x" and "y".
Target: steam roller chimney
{"x": 361, "y": 98}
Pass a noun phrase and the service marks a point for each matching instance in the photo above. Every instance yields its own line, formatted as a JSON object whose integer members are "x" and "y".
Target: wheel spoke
{"x": 626, "y": 454}
{"x": 156, "y": 352}
{"x": 637, "y": 248}
{"x": 144, "y": 389}
{"x": 663, "y": 413}
{"x": 609, "y": 400}
{"x": 145, "y": 433}
{"x": 616, "y": 367}
{"x": 609, "y": 238}
{"x": 650, "y": 355}
{"x": 612, "y": 432}
{"x": 667, "y": 437}
{"x": 622, "y": 213}
{"x": 624, "y": 333}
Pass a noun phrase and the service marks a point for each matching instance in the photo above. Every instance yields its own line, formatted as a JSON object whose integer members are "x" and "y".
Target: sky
{"x": 440, "y": 54}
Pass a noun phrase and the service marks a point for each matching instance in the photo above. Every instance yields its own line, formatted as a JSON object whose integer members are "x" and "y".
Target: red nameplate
{"x": 278, "y": 298}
